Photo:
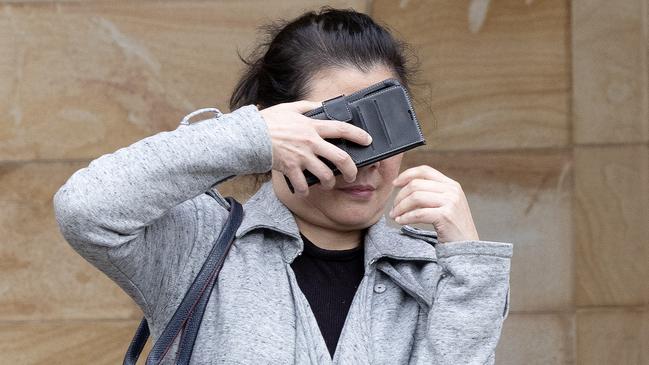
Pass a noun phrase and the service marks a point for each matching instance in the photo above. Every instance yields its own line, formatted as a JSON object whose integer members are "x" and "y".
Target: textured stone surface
{"x": 82, "y": 79}
{"x": 523, "y": 198}
{"x": 609, "y": 43}
{"x": 495, "y": 76}
{"x": 613, "y": 336}
{"x": 612, "y": 225}
{"x": 71, "y": 342}
{"x": 537, "y": 339}
{"x": 42, "y": 276}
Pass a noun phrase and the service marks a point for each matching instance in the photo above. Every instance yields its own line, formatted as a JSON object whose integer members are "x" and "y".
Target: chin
{"x": 349, "y": 210}
{"x": 355, "y": 216}
{"x": 354, "y": 222}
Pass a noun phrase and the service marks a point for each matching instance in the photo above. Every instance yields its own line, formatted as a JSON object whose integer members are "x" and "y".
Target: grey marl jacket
{"x": 140, "y": 215}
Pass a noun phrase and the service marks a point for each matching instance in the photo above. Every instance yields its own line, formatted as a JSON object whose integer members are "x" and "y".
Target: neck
{"x": 329, "y": 239}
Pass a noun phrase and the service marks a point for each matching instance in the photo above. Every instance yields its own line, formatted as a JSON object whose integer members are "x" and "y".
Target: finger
{"x": 338, "y": 129}
{"x": 421, "y": 215}
{"x": 303, "y": 106}
{"x": 298, "y": 181}
{"x": 340, "y": 158}
{"x": 422, "y": 172}
{"x": 418, "y": 199}
{"x": 419, "y": 184}
{"x": 321, "y": 171}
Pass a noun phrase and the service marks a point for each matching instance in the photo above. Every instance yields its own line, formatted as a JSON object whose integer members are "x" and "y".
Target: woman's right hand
{"x": 297, "y": 140}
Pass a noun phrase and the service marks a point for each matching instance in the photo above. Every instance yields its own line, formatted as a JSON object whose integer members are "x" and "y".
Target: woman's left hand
{"x": 428, "y": 196}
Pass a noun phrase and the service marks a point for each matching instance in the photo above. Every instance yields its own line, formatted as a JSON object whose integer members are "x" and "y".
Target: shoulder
{"x": 189, "y": 219}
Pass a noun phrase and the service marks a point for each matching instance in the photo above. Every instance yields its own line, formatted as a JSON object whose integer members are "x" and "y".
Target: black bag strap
{"x": 189, "y": 314}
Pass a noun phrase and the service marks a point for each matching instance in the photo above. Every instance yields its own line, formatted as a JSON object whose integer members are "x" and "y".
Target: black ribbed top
{"x": 329, "y": 279}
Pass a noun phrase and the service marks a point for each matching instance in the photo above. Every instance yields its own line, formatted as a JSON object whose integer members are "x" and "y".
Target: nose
{"x": 375, "y": 164}
{"x": 368, "y": 168}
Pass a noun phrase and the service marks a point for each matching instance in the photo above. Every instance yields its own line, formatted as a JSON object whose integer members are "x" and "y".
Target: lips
{"x": 358, "y": 187}
{"x": 362, "y": 192}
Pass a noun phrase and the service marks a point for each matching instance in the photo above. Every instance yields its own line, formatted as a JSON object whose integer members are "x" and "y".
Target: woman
{"x": 313, "y": 277}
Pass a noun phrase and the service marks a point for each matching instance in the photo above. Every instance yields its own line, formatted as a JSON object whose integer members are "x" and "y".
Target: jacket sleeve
{"x": 471, "y": 301}
{"x": 131, "y": 213}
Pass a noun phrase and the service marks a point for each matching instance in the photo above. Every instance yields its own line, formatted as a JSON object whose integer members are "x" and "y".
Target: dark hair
{"x": 280, "y": 68}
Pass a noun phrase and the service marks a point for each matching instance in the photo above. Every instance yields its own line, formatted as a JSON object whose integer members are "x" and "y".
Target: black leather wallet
{"x": 384, "y": 110}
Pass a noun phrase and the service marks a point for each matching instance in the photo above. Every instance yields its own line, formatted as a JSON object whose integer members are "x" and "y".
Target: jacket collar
{"x": 264, "y": 210}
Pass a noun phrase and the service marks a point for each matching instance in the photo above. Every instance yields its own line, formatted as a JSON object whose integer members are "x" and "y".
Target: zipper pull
{"x": 426, "y": 235}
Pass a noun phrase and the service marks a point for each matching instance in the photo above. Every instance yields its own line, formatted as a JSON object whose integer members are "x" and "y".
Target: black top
{"x": 329, "y": 279}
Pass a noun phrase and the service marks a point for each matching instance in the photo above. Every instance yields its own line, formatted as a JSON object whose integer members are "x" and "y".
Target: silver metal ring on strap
{"x": 189, "y": 116}
{"x": 217, "y": 113}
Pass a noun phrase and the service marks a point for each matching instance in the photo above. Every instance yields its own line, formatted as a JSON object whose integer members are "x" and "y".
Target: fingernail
{"x": 369, "y": 139}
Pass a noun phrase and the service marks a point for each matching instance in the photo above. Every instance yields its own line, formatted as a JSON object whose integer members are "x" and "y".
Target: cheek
{"x": 389, "y": 167}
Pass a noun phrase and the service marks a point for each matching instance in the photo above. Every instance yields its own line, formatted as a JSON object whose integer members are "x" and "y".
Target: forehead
{"x": 331, "y": 82}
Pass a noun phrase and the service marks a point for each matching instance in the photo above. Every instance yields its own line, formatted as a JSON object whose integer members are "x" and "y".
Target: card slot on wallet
{"x": 384, "y": 110}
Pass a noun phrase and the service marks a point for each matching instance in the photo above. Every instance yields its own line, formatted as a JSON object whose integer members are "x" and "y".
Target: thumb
{"x": 303, "y": 106}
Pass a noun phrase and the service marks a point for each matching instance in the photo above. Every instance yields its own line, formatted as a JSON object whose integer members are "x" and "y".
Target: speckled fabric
{"x": 140, "y": 215}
